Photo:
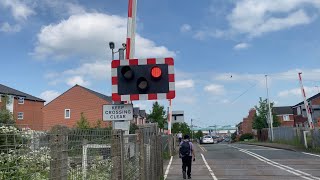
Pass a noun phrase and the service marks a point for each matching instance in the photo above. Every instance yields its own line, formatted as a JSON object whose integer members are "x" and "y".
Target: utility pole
{"x": 270, "y": 118}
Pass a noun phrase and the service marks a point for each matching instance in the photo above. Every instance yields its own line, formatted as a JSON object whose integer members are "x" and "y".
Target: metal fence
{"x": 72, "y": 154}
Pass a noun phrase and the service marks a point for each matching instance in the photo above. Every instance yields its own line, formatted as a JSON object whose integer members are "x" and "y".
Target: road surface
{"x": 240, "y": 161}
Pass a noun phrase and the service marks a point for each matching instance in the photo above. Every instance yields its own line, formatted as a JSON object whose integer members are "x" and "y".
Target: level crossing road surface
{"x": 240, "y": 161}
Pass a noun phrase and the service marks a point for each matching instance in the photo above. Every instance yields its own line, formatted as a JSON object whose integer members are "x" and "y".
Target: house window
{"x": 286, "y": 118}
{"x": 67, "y": 113}
{"x": 20, "y": 100}
{"x": 298, "y": 110}
{"x": 20, "y": 115}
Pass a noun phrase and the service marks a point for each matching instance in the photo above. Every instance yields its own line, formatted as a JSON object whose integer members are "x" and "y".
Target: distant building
{"x": 177, "y": 116}
{"x": 25, "y": 108}
{"x": 285, "y": 115}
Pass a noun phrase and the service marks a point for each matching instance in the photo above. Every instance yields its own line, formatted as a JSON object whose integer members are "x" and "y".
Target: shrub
{"x": 246, "y": 136}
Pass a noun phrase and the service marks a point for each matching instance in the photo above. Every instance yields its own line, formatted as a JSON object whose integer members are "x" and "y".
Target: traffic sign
{"x": 143, "y": 79}
{"x": 117, "y": 112}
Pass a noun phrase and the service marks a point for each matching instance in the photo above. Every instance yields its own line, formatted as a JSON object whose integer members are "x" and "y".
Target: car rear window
{"x": 207, "y": 137}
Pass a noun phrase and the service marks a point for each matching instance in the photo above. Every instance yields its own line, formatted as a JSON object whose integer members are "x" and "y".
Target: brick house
{"x": 300, "y": 115}
{"x": 285, "y": 115}
{"x": 66, "y": 109}
{"x": 139, "y": 116}
{"x": 247, "y": 122}
{"x": 26, "y": 109}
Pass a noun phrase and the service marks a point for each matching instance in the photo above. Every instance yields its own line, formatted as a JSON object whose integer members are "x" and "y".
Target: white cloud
{"x": 6, "y": 27}
{"x": 77, "y": 80}
{"x": 186, "y": 99}
{"x": 225, "y": 101}
{"x": 19, "y": 9}
{"x": 215, "y": 89}
{"x": 185, "y": 84}
{"x": 257, "y": 17}
{"x": 310, "y": 91}
{"x": 185, "y": 28}
{"x": 87, "y": 35}
{"x": 241, "y": 46}
{"x": 49, "y": 95}
{"x": 97, "y": 70}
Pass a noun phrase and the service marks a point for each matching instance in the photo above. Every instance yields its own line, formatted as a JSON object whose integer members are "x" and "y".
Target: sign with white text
{"x": 117, "y": 112}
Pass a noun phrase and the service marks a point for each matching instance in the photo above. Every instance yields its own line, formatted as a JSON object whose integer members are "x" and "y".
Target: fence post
{"x": 117, "y": 155}
{"x": 59, "y": 153}
{"x": 141, "y": 156}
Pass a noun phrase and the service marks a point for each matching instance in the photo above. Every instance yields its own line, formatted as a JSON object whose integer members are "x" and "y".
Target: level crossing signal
{"x": 143, "y": 79}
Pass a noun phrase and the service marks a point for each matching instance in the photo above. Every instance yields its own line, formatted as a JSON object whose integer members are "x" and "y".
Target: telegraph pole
{"x": 270, "y": 118}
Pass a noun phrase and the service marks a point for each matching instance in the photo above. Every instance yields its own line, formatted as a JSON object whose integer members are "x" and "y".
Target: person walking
{"x": 187, "y": 154}
{"x": 179, "y": 135}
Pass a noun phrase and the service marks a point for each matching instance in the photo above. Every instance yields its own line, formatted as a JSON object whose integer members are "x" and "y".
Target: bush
{"x": 246, "y": 136}
{"x": 234, "y": 136}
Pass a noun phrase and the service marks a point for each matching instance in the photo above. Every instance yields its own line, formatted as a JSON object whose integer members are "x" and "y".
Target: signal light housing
{"x": 143, "y": 79}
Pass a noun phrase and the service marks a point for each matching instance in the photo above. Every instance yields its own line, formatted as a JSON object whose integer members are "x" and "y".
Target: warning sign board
{"x": 117, "y": 112}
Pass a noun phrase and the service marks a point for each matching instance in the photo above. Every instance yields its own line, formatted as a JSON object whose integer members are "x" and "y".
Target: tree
{"x": 260, "y": 119}
{"x": 83, "y": 123}
{"x": 158, "y": 115}
{"x": 199, "y": 134}
{"x": 181, "y": 127}
{"x": 6, "y": 117}
{"x": 133, "y": 128}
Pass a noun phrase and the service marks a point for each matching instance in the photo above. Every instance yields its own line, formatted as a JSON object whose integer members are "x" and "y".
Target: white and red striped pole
{"x": 131, "y": 29}
{"x": 169, "y": 117}
{"x": 308, "y": 110}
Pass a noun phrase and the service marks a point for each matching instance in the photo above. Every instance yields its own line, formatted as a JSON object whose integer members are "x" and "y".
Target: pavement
{"x": 250, "y": 162}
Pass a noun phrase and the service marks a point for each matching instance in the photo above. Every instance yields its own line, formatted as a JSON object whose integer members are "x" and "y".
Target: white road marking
{"x": 278, "y": 165}
{"x": 311, "y": 154}
{"x": 168, "y": 167}
{"x": 202, "y": 148}
{"x": 210, "y": 170}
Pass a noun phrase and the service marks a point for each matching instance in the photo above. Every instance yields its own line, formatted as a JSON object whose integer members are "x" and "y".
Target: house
{"x": 26, "y": 109}
{"x": 177, "y": 116}
{"x": 66, "y": 109}
{"x": 300, "y": 115}
{"x": 285, "y": 115}
{"x": 139, "y": 116}
{"x": 247, "y": 122}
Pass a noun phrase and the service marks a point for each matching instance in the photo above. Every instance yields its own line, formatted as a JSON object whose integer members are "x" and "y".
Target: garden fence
{"x": 79, "y": 154}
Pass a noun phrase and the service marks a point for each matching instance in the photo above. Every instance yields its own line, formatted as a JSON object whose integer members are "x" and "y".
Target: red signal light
{"x": 156, "y": 72}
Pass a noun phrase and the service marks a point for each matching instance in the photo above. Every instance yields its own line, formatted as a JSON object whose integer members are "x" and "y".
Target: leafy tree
{"x": 260, "y": 119}
{"x": 158, "y": 114}
{"x": 181, "y": 127}
{"x": 199, "y": 134}
{"x": 133, "y": 128}
{"x": 6, "y": 117}
{"x": 83, "y": 123}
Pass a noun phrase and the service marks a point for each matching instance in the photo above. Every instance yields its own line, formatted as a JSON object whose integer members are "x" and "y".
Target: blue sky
{"x": 50, "y": 45}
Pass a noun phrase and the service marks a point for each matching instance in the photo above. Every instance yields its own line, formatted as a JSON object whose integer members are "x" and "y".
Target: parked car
{"x": 207, "y": 140}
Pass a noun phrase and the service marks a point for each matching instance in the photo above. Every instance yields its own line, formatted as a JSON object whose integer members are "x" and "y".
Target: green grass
{"x": 166, "y": 155}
